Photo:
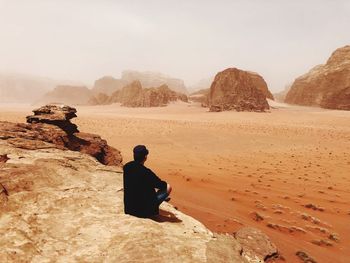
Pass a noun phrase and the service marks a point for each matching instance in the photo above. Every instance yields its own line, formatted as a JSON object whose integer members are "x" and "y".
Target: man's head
{"x": 140, "y": 153}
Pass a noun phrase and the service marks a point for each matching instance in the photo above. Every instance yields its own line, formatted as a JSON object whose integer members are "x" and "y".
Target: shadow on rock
{"x": 166, "y": 216}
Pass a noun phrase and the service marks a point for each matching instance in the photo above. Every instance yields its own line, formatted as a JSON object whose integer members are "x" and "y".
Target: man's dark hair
{"x": 140, "y": 152}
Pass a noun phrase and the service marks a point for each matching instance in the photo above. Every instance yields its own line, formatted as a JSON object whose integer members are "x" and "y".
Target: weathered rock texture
{"x": 150, "y": 79}
{"x": 256, "y": 244}
{"x": 234, "y": 89}
{"x": 50, "y": 127}
{"x": 326, "y": 85}
{"x": 66, "y": 94}
{"x": 133, "y": 95}
{"x": 64, "y": 206}
{"x": 260, "y": 83}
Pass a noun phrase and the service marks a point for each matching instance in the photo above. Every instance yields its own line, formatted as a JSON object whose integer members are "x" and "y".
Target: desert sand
{"x": 286, "y": 172}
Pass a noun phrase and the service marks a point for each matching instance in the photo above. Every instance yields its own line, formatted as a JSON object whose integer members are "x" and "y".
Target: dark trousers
{"x": 162, "y": 195}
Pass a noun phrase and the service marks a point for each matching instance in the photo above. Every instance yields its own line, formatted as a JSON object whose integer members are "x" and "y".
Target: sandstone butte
{"x": 64, "y": 205}
{"x": 325, "y": 85}
{"x": 234, "y": 89}
{"x": 134, "y": 95}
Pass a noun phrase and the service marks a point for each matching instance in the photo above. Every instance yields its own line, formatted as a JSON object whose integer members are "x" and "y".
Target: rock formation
{"x": 133, "y": 95}
{"x": 67, "y": 94}
{"x": 150, "y": 79}
{"x": 260, "y": 83}
{"x": 325, "y": 85}
{"x": 108, "y": 85}
{"x": 50, "y": 127}
{"x": 234, "y": 89}
{"x": 58, "y": 205}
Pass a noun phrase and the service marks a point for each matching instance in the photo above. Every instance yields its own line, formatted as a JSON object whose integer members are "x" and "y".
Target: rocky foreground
{"x": 61, "y": 205}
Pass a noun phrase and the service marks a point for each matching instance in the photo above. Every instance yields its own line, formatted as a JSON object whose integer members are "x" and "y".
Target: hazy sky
{"x": 190, "y": 39}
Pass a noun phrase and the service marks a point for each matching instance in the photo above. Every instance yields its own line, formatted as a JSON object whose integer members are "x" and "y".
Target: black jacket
{"x": 139, "y": 190}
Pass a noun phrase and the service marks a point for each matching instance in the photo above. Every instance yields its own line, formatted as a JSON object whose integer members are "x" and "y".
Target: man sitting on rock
{"x": 140, "y": 196}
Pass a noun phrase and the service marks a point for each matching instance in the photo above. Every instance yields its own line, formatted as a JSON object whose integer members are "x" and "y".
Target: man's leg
{"x": 164, "y": 194}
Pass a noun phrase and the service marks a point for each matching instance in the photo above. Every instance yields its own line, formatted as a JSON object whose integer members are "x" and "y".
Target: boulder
{"x": 234, "y": 89}
{"x": 327, "y": 85}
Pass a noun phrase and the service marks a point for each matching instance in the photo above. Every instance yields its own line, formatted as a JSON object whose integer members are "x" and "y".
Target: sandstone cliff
{"x": 58, "y": 205}
{"x": 325, "y": 85}
{"x": 234, "y": 89}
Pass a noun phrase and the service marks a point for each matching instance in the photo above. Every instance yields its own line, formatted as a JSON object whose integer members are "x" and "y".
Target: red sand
{"x": 226, "y": 166}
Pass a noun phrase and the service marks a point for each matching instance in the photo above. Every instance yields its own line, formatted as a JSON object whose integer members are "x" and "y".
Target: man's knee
{"x": 169, "y": 189}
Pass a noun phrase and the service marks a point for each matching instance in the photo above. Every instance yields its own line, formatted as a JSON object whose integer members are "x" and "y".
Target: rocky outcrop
{"x": 67, "y": 94}
{"x": 256, "y": 245}
{"x": 325, "y": 85}
{"x": 50, "y": 127}
{"x": 55, "y": 115}
{"x": 133, "y": 95}
{"x": 234, "y": 89}
{"x": 150, "y": 79}
{"x": 64, "y": 206}
{"x": 107, "y": 85}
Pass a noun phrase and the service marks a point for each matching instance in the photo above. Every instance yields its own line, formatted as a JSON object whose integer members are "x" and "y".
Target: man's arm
{"x": 156, "y": 181}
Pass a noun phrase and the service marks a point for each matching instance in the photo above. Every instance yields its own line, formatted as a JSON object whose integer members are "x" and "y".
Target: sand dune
{"x": 285, "y": 172}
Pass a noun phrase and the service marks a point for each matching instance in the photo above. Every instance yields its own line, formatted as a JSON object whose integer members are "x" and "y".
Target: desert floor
{"x": 286, "y": 172}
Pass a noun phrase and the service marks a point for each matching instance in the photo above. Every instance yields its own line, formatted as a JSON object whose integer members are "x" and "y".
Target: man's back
{"x": 139, "y": 193}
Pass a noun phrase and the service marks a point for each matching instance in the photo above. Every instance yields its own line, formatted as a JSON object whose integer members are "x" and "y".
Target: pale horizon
{"x": 84, "y": 40}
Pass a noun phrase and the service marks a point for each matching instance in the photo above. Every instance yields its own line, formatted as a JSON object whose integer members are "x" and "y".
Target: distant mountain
{"x": 66, "y": 94}
{"x": 203, "y": 84}
{"x": 149, "y": 79}
{"x": 22, "y": 88}
{"x": 281, "y": 96}
{"x": 108, "y": 85}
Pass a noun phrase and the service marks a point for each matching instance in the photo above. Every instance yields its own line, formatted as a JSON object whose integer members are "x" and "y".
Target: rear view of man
{"x": 140, "y": 196}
